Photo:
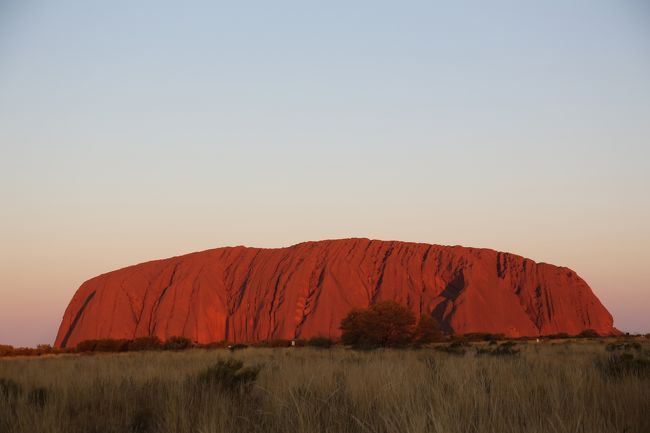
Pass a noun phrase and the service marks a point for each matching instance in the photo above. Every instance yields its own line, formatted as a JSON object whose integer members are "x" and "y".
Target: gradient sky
{"x": 135, "y": 130}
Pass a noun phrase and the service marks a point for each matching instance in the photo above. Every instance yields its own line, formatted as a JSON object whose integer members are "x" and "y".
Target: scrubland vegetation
{"x": 389, "y": 373}
{"x": 577, "y": 385}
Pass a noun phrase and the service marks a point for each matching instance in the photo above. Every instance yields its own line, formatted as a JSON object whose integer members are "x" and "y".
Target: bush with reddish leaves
{"x": 428, "y": 330}
{"x": 177, "y": 343}
{"x": 277, "y": 342}
{"x": 145, "y": 343}
{"x": 588, "y": 333}
{"x": 103, "y": 345}
{"x": 384, "y": 324}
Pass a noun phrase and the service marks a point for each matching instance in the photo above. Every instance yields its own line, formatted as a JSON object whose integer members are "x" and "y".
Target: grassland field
{"x": 557, "y": 386}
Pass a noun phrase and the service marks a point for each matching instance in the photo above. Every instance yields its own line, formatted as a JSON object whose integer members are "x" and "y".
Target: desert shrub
{"x": 505, "y": 349}
{"x": 145, "y": 343}
{"x": 588, "y": 333}
{"x": 453, "y": 348}
{"x": 428, "y": 330}
{"x": 612, "y": 347}
{"x": 278, "y": 342}
{"x": 559, "y": 335}
{"x": 110, "y": 345}
{"x": 10, "y": 390}
{"x": 23, "y": 351}
{"x": 43, "y": 349}
{"x": 103, "y": 345}
{"x": 6, "y": 350}
{"x": 142, "y": 419}
{"x": 214, "y": 345}
{"x": 86, "y": 346}
{"x": 321, "y": 342}
{"x": 460, "y": 339}
{"x": 385, "y": 324}
{"x": 229, "y": 376}
{"x": 37, "y": 397}
{"x": 144, "y": 413}
{"x": 625, "y": 364}
{"x": 482, "y": 336}
{"x": 237, "y": 346}
{"x": 177, "y": 343}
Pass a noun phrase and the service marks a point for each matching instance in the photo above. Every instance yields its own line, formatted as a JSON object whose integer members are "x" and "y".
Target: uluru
{"x": 243, "y": 294}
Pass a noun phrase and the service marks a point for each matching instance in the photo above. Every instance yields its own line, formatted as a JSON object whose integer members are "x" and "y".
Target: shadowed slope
{"x": 251, "y": 294}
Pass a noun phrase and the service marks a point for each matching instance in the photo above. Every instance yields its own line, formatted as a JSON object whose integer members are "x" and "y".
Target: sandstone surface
{"x": 243, "y": 294}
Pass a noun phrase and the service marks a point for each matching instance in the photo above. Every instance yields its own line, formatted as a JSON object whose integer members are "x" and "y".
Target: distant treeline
{"x": 155, "y": 343}
{"x": 182, "y": 343}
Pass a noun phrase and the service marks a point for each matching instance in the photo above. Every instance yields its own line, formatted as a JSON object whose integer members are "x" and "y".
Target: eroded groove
{"x": 154, "y": 309}
{"x": 195, "y": 286}
{"x": 239, "y": 296}
{"x": 425, "y": 256}
{"x": 501, "y": 265}
{"x": 312, "y": 295}
{"x": 380, "y": 280}
{"x": 64, "y": 342}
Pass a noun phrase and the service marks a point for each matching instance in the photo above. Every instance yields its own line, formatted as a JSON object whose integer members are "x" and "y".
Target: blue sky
{"x": 136, "y": 130}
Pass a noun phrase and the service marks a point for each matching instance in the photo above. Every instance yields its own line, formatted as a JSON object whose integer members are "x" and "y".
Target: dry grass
{"x": 549, "y": 387}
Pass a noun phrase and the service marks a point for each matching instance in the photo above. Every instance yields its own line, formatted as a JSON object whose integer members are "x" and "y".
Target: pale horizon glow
{"x": 132, "y": 132}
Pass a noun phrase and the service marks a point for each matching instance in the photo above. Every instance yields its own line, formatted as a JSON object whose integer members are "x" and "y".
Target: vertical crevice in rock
{"x": 501, "y": 265}
{"x": 64, "y": 342}
{"x": 425, "y": 256}
{"x": 380, "y": 280}
{"x": 156, "y": 305}
{"x": 311, "y": 300}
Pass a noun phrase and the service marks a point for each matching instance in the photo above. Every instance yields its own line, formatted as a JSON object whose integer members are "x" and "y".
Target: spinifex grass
{"x": 546, "y": 387}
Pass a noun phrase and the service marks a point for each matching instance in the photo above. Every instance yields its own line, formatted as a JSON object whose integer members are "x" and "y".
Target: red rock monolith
{"x": 245, "y": 294}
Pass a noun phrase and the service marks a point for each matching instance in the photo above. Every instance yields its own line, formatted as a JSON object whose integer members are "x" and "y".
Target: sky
{"x": 131, "y": 131}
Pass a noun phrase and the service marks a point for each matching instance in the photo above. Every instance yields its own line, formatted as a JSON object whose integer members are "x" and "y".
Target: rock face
{"x": 251, "y": 294}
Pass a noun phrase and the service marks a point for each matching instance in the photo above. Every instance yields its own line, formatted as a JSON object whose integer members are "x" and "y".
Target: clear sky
{"x": 135, "y": 130}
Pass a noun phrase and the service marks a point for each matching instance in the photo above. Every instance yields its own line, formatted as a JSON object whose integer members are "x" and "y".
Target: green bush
{"x": 228, "y": 376}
